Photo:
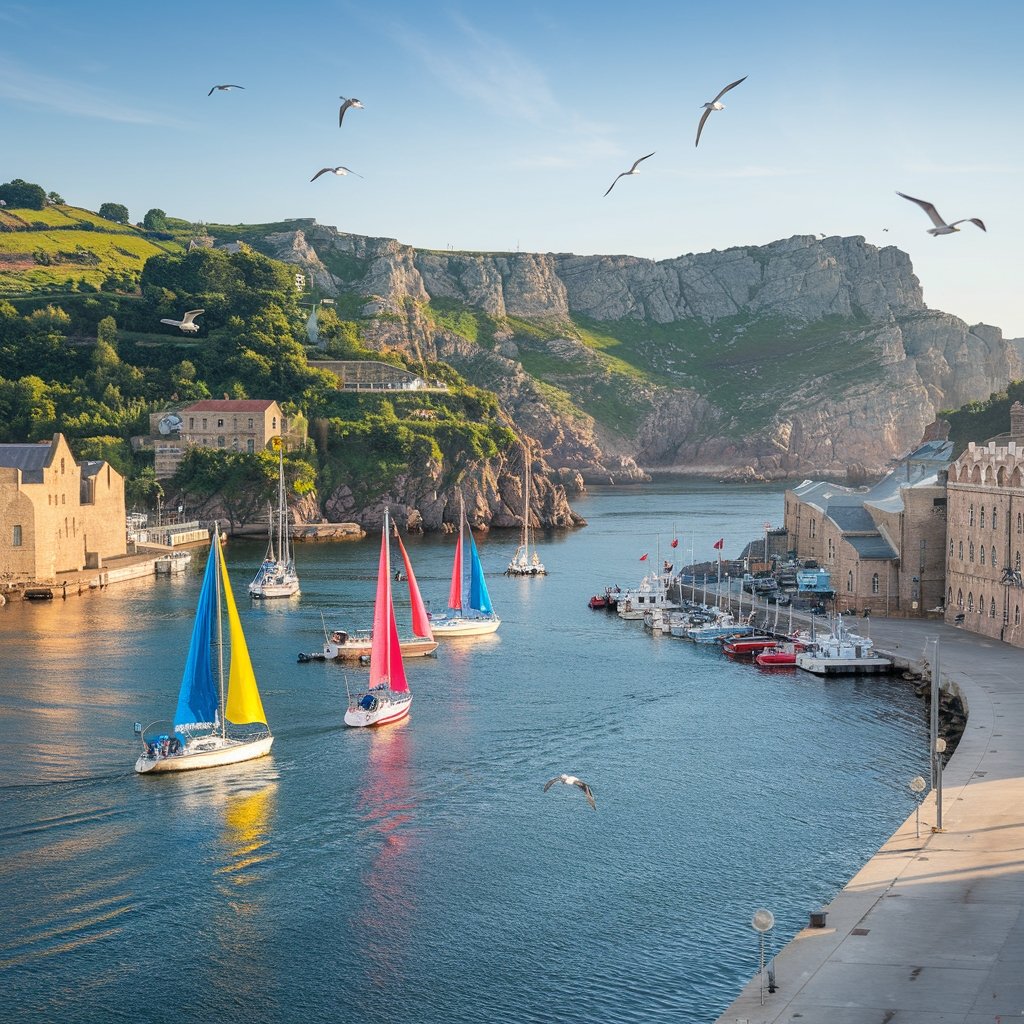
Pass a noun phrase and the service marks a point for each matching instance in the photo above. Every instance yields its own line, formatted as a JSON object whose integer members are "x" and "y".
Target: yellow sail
{"x": 243, "y": 703}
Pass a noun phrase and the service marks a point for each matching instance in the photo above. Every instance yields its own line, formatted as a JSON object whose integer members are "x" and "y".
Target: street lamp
{"x": 763, "y": 922}
{"x": 917, "y": 785}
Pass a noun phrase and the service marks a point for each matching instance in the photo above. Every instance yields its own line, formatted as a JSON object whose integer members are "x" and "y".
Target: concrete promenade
{"x": 931, "y": 929}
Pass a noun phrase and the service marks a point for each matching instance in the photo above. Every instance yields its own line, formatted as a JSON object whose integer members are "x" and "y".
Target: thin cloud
{"x": 930, "y": 167}
{"x": 70, "y": 97}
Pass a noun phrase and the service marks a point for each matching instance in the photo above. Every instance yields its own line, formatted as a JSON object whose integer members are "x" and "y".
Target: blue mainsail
{"x": 198, "y": 700}
{"x": 479, "y": 599}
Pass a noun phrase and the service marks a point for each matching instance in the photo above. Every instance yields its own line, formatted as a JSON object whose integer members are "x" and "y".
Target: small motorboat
{"x": 780, "y": 656}
{"x": 598, "y": 601}
{"x": 747, "y": 646}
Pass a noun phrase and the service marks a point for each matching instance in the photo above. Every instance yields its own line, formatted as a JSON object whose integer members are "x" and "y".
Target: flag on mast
{"x": 643, "y": 557}
{"x": 675, "y": 542}
{"x": 719, "y": 544}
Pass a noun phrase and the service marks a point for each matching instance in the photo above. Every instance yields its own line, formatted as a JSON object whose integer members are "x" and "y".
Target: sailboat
{"x": 277, "y": 577}
{"x": 199, "y": 735}
{"x": 479, "y": 619}
{"x": 523, "y": 563}
{"x": 387, "y": 698}
{"x": 339, "y": 644}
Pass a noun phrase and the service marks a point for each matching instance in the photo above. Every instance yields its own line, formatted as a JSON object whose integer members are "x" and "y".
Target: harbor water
{"x": 419, "y": 873}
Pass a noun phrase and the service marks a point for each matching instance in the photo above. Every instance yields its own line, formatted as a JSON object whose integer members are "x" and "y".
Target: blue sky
{"x": 499, "y": 126}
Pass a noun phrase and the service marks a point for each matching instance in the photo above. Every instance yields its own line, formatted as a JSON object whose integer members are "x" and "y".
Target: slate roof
{"x": 854, "y": 518}
{"x": 31, "y": 459}
{"x": 871, "y": 547}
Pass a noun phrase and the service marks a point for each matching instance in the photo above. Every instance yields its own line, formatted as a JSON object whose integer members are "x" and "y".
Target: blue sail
{"x": 479, "y": 599}
{"x": 198, "y": 700}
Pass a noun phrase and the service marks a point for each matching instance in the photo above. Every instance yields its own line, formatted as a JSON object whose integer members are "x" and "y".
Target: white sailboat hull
{"x": 285, "y": 583}
{"x": 458, "y": 626}
{"x": 389, "y": 709}
{"x": 354, "y": 650}
{"x": 206, "y": 752}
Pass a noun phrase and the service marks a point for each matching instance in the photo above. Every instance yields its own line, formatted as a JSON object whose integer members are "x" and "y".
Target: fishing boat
{"x": 209, "y": 723}
{"x": 387, "y": 698}
{"x": 277, "y": 577}
{"x": 476, "y": 616}
{"x": 841, "y": 652}
{"x": 172, "y": 563}
{"x": 523, "y": 563}
{"x": 339, "y": 644}
{"x": 724, "y": 626}
{"x": 653, "y": 592}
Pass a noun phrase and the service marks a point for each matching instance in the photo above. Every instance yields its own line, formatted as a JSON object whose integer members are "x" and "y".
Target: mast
{"x": 526, "y": 509}
{"x": 220, "y": 630}
{"x": 282, "y": 553}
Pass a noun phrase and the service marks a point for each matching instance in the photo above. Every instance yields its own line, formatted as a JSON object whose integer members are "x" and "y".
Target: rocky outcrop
{"x": 849, "y": 365}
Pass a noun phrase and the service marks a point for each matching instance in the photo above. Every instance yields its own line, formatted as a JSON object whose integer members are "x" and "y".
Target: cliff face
{"x": 803, "y": 356}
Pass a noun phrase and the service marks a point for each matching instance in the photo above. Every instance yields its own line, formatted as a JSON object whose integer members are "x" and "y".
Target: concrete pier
{"x": 931, "y": 929}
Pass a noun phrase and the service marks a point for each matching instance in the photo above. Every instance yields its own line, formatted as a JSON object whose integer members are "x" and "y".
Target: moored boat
{"x": 276, "y": 576}
{"x": 747, "y": 646}
{"x": 523, "y": 562}
{"x": 841, "y": 652}
{"x": 652, "y": 592}
{"x": 782, "y": 655}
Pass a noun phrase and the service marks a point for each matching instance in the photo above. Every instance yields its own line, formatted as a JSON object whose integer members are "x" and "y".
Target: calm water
{"x": 419, "y": 873}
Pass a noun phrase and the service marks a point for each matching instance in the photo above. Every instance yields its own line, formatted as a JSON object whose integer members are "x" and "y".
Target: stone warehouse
{"x": 883, "y": 545}
{"x": 245, "y": 425}
{"x": 984, "y": 586}
{"x": 56, "y": 514}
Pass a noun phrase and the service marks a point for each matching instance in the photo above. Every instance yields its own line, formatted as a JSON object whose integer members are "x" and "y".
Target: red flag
{"x": 719, "y": 544}
{"x": 675, "y": 542}
{"x": 643, "y": 557}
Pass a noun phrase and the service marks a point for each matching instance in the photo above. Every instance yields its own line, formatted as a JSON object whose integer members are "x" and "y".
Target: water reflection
{"x": 387, "y": 806}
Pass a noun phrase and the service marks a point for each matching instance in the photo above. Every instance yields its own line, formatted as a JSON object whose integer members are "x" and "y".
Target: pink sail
{"x": 386, "y": 664}
{"x": 420, "y": 619}
{"x": 455, "y": 594}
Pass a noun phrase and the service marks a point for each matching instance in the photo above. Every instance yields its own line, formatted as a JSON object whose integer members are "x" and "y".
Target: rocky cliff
{"x": 805, "y": 356}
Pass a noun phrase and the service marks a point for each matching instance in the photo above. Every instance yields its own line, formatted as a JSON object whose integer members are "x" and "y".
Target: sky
{"x": 498, "y": 127}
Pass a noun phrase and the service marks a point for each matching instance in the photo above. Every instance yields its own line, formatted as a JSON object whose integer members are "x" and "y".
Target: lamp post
{"x": 917, "y": 785}
{"x": 762, "y": 922}
{"x": 937, "y": 743}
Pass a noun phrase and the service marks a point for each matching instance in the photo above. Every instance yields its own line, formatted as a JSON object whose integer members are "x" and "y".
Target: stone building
{"x": 245, "y": 425}
{"x": 57, "y": 514}
{"x": 884, "y": 545}
{"x": 986, "y": 536}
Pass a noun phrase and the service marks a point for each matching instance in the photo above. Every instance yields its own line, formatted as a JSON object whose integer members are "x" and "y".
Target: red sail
{"x": 385, "y": 653}
{"x": 420, "y": 619}
{"x": 455, "y": 593}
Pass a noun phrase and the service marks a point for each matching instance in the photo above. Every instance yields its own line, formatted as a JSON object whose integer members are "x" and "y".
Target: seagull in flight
{"x": 334, "y": 170}
{"x": 187, "y": 322}
{"x": 345, "y": 105}
{"x": 941, "y": 227}
{"x": 632, "y": 170}
{"x": 571, "y": 780}
{"x": 224, "y": 88}
{"x": 715, "y": 105}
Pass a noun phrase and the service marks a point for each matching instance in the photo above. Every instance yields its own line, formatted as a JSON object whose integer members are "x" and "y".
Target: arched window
{"x": 960, "y": 551}
{"x": 1016, "y": 562}
{"x": 981, "y": 519}
{"x": 849, "y": 582}
{"x": 62, "y": 467}
{"x": 949, "y": 597}
{"x": 981, "y": 554}
{"x": 970, "y": 515}
{"x": 951, "y": 549}
{"x": 959, "y": 599}
{"x": 981, "y": 604}
{"x": 994, "y": 563}
{"x": 874, "y": 583}
{"x": 971, "y": 552}
{"x": 993, "y": 517}
{"x": 970, "y": 602}
{"x": 992, "y": 609}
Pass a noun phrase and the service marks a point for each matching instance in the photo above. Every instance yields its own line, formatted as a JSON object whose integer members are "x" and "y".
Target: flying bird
{"x": 632, "y": 170}
{"x": 715, "y": 105}
{"x": 187, "y": 322}
{"x": 348, "y": 103}
{"x": 224, "y": 88}
{"x": 571, "y": 780}
{"x": 941, "y": 227}
{"x": 334, "y": 170}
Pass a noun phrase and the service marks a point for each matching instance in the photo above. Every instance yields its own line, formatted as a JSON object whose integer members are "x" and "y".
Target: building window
{"x": 204, "y": 423}
{"x": 1016, "y": 562}
{"x": 220, "y": 423}
{"x": 950, "y": 549}
{"x": 970, "y": 602}
{"x": 970, "y": 516}
{"x": 959, "y": 599}
{"x": 849, "y": 582}
{"x": 960, "y": 551}
{"x": 16, "y": 538}
{"x": 250, "y": 446}
{"x": 874, "y": 584}
{"x": 191, "y": 423}
{"x": 992, "y": 609}
{"x": 220, "y": 441}
{"x": 995, "y": 564}
{"x": 812, "y": 526}
{"x": 981, "y": 519}
{"x": 981, "y": 554}
{"x": 250, "y": 423}
{"x": 273, "y": 423}
{"x": 949, "y": 597}
{"x": 1006, "y": 613}
{"x": 234, "y": 443}
{"x": 993, "y": 517}
{"x": 970, "y": 552}
{"x": 1020, "y": 523}
{"x": 1016, "y": 616}
{"x": 61, "y": 467}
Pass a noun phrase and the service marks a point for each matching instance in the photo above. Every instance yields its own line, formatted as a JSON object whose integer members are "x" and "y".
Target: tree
{"x": 115, "y": 212}
{"x": 155, "y": 220}
{"x": 23, "y": 195}
{"x": 55, "y": 199}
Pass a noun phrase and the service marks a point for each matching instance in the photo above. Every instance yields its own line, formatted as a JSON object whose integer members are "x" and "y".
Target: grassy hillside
{"x": 978, "y": 421}
{"x": 63, "y": 247}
